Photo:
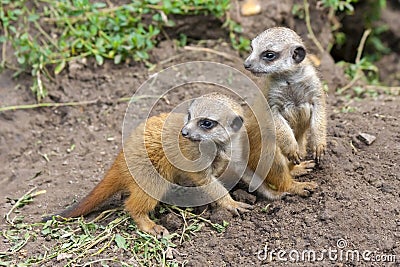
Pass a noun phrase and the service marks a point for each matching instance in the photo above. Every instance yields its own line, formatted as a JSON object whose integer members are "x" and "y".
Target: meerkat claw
{"x": 319, "y": 152}
{"x": 159, "y": 231}
{"x": 238, "y": 207}
{"x": 308, "y": 189}
{"x": 295, "y": 158}
{"x": 244, "y": 207}
{"x": 303, "y": 168}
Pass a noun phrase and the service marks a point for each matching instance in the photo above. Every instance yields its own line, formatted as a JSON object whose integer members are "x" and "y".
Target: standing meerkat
{"x": 297, "y": 101}
{"x": 165, "y": 138}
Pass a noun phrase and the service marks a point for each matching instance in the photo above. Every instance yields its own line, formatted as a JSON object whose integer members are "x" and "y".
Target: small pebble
{"x": 367, "y": 138}
{"x": 250, "y": 8}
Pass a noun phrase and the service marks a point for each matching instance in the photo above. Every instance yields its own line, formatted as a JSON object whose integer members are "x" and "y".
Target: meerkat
{"x": 297, "y": 101}
{"x": 213, "y": 117}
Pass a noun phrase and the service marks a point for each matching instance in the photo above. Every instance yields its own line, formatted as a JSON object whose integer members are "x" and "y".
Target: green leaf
{"x": 46, "y": 231}
{"x": 59, "y": 67}
{"x": 117, "y": 59}
{"x": 33, "y": 17}
{"x": 66, "y": 245}
{"x": 18, "y": 12}
{"x": 141, "y": 55}
{"x": 99, "y": 59}
{"x": 99, "y": 5}
{"x": 121, "y": 242}
{"x": 21, "y": 60}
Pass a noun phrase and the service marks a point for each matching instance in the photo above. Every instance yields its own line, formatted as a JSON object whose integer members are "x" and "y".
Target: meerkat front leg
{"x": 215, "y": 190}
{"x": 139, "y": 204}
{"x": 318, "y": 129}
{"x": 256, "y": 183}
{"x": 286, "y": 139}
{"x": 227, "y": 202}
{"x": 233, "y": 206}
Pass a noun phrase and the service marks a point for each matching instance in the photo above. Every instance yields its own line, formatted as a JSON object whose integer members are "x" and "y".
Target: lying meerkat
{"x": 297, "y": 101}
{"x": 165, "y": 138}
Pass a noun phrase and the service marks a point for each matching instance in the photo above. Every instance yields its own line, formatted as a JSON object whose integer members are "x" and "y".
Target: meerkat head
{"x": 213, "y": 117}
{"x": 275, "y": 50}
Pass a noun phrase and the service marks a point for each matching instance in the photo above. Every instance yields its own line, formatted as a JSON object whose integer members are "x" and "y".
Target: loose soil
{"x": 357, "y": 201}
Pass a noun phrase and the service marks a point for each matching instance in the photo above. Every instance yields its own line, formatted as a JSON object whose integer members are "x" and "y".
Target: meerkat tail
{"x": 107, "y": 187}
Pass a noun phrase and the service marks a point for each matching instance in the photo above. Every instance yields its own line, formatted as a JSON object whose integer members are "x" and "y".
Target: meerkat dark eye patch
{"x": 237, "y": 123}
{"x": 186, "y": 118}
{"x": 269, "y": 56}
{"x": 299, "y": 53}
{"x": 207, "y": 124}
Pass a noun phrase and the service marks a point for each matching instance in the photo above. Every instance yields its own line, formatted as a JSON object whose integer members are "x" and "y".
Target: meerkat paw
{"x": 159, "y": 231}
{"x": 303, "y": 168}
{"x": 292, "y": 152}
{"x": 235, "y": 207}
{"x": 318, "y": 152}
{"x": 146, "y": 225}
{"x": 294, "y": 157}
{"x": 303, "y": 189}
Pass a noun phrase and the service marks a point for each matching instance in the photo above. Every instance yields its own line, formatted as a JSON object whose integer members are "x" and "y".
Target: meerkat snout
{"x": 247, "y": 64}
{"x": 198, "y": 129}
{"x": 185, "y": 132}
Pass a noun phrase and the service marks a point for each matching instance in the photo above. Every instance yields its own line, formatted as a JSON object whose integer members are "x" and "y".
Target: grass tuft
{"x": 111, "y": 238}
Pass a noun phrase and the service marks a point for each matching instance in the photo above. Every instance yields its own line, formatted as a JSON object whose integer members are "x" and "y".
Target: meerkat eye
{"x": 269, "y": 55}
{"x": 207, "y": 124}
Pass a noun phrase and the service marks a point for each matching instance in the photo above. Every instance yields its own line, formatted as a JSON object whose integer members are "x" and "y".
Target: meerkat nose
{"x": 185, "y": 132}
{"x": 247, "y": 64}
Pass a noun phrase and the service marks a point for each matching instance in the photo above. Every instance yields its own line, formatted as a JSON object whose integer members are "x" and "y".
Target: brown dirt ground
{"x": 357, "y": 199}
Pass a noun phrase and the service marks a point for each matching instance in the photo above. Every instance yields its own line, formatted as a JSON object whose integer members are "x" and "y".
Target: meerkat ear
{"x": 299, "y": 53}
{"x": 237, "y": 123}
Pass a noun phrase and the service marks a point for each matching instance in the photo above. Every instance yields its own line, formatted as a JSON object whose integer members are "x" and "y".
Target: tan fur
{"x": 297, "y": 101}
{"x": 280, "y": 177}
{"x": 150, "y": 140}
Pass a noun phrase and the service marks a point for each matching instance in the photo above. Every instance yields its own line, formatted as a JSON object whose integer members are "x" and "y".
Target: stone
{"x": 367, "y": 138}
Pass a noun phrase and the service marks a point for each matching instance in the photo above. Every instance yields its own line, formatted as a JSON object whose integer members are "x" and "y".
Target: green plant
{"x": 340, "y": 38}
{"x": 46, "y": 34}
{"x": 364, "y": 68}
{"x": 298, "y": 11}
{"x": 371, "y": 15}
{"x": 347, "y": 109}
{"x": 238, "y": 42}
{"x": 111, "y": 237}
{"x": 374, "y": 46}
{"x": 362, "y": 91}
{"x": 340, "y": 5}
